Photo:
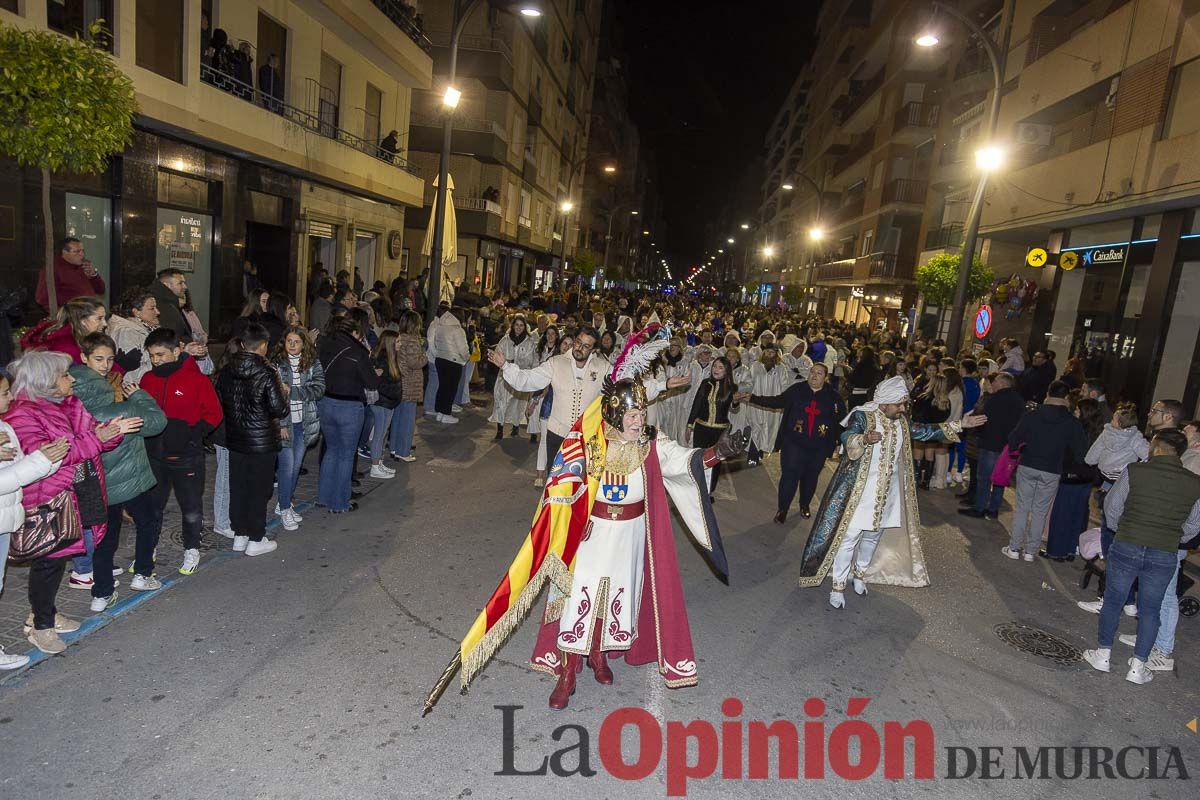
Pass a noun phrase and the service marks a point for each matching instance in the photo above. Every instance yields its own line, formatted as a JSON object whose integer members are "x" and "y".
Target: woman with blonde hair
{"x": 63, "y": 333}
{"x": 929, "y": 407}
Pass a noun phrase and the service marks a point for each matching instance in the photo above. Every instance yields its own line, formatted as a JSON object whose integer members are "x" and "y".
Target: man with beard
{"x": 811, "y": 414}
{"x": 769, "y": 379}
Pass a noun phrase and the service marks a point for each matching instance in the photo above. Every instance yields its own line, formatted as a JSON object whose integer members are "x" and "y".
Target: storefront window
{"x": 322, "y": 246}
{"x": 1184, "y": 332}
{"x": 365, "y": 246}
{"x": 89, "y": 219}
{"x": 184, "y": 242}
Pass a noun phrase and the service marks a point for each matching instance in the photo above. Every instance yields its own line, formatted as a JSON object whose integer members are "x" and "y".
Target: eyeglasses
{"x": 1157, "y": 410}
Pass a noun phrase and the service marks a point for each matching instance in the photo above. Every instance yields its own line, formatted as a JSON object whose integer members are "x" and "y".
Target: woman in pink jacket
{"x": 43, "y": 410}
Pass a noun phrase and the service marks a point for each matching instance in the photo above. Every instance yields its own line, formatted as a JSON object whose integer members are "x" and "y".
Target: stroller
{"x": 1089, "y": 548}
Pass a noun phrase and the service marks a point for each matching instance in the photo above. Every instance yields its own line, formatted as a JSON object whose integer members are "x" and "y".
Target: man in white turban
{"x": 868, "y": 525}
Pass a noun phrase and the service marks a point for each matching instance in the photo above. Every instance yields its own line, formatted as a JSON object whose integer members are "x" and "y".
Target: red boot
{"x": 597, "y": 660}
{"x": 566, "y": 681}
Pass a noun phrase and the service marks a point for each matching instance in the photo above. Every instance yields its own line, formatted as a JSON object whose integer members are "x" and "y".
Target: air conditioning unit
{"x": 1032, "y": 134}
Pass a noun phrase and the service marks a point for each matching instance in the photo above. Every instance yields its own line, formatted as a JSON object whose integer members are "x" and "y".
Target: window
{"x": 329, "y": 95}
{"x": 867, "y": 240}
{"x": 159, "y": 36}
{"x": 1183, "y": 110}
{"x": 372, "y": 113}
{"x": 272, "y": 41}
{"x": 73, "y": 17}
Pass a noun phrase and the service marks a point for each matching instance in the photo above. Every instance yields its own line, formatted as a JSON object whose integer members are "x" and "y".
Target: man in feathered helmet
{"x": 602, "y": 538}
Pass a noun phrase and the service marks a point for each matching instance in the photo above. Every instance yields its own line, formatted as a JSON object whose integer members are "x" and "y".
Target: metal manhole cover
{"x": 1039, "y": 643}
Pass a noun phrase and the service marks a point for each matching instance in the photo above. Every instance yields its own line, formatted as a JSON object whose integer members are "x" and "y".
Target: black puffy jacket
{"x": 253, "y": 401}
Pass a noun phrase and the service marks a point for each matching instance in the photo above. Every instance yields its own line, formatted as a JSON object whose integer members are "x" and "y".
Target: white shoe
{"x": 117, "y": 572}
{"x": 837, "y": 599}
{"x": 1027, "y": 556}
{"x": 290, "y": 510}
{"x": 860, "y": 586}
{"x": 1008, "y": 551}
{"x": 1131, "y": 610}
{"x": 239, "y": 543}
{"x": 1092, "y": 606}
{"x": 456, "y": 408}
{"x": 1098, "y": 658}
{"x": 104, "y": 603}
{"x": 288, "y": 522}
{"x": 408, "y": 459}
{"x": 382, "y": 472}
{"x": 539, "y": 481}
{"x": 11, "y": 660}
{"x": 1127, "y": 638}
{"x": 141, "y": 583}
{"x": 226, "y": 532}
{"x": 81, "y": 580}
{"x": 260, "y": 548}
{"x": 1138, "y": 673}
{"x": 191, "y": 560}
{"x": 446, "y": 419}
{"x": 1160, "y": 661}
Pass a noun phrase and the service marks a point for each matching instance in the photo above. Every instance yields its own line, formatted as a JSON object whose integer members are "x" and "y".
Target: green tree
{"x": 65, "y": 106}
{"x": 751, "y": 287}
{"x": 793, "y": 294}
{"x": 938, "y": 278}
{"x": 585, "y": 265}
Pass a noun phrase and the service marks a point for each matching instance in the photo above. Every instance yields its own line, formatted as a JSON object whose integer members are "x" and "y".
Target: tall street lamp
{"x": 462, "y": 11}
{"x": 987, "y": 160}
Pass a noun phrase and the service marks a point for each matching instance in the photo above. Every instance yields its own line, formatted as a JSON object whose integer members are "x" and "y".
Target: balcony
{"x": 851, "y": 209}
{"x": 836, "y": 271}
{"x": 404, "y": 18}
{"x": 881, "y": 265}
{"x": 857, "y": 151}
{"x": 487, "y": 59}
{"x": 473, "y": 216}
{"x": 905, "y": 190}
{"x": 949, "y": 235}
{"x": 863, "y": 96}
{"x": 524, "y": 222}
{"x": 915, "y": 122}
{"x": 484, "y": 139}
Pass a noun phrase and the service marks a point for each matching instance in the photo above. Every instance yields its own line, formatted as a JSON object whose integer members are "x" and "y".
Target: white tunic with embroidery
{"x": 880, "y": 505}
{"x": 609, "y": 568}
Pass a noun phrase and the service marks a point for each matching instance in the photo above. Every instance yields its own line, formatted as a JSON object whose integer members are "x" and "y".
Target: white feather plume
{"x": 639, "y": 358}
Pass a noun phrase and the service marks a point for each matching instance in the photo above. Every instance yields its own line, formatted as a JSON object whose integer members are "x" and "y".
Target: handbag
{"x": 1006, "y": 466}
{"x": 93, "y": 508}
{"x": 47, "y": 528}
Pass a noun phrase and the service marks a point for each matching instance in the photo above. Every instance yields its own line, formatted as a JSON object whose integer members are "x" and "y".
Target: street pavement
{"x": 301, "y": 674}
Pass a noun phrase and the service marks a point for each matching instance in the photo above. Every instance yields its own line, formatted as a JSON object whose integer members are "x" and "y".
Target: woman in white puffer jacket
{"x": 17, "y": 470}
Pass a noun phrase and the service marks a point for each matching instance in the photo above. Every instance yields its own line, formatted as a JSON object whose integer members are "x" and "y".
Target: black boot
{"x": 926, "y": 473}
{"x": 516, "y": 431}
{"x": 499, "y": 432}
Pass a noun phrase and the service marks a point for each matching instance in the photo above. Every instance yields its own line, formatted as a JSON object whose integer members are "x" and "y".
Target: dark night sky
{"x": 706, "y": 79}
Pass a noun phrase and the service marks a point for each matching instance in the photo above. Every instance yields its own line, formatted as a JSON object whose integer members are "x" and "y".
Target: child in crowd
{"x": 1120, "y": 444}
{"x": 384, "y": 359}
{"x": 192, "y": 410}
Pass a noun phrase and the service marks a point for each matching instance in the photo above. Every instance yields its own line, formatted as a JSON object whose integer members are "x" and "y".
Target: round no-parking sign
{"x": 983, "y": 322}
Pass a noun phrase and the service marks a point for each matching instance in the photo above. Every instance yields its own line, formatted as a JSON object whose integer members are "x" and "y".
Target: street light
{"x": 816, "y": 234}
{"x": 745, "y": 226}
{"x": 787, "y": 187}
{"x": 462, "y": 11}
{"x": 730, "y": 239}
{"x": 610, "y": 169}
{"x": 986, "y": 162}
{"x": 768, "y": 251}
{"x": 566, "y": 206}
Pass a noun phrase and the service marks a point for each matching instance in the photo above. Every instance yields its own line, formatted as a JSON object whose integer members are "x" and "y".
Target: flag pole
{"x": 435, "y": 693}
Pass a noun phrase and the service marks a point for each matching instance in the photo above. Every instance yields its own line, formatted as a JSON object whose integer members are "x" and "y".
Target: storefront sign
{"x": 1036, "y": 257}
{"x": 1104, "y": 255}
{"x": 1068, "y": 260}
{"x": 395, "y": 244}
{"x": 182, "y": 256}
{"x": 983, "y": 322}
{"x": 857, "y": 291}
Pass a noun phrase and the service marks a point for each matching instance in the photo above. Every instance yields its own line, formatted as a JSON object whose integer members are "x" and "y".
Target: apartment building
{"x": 1100, "y": 107}
{"x": 225, "y": 167}
{"x": 520, "y": 135}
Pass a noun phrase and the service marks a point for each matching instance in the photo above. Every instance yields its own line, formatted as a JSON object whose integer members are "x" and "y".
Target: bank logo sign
{"x": 1104, "y": 255}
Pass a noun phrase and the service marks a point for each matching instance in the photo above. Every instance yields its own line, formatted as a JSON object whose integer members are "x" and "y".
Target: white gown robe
{"x": 765, "y": 422}
{"x": 669, "y": 410}
{"x": 509, "y": 407}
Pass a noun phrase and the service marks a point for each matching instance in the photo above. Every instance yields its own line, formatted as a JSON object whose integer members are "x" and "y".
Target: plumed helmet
{"x": 619, "y": 397}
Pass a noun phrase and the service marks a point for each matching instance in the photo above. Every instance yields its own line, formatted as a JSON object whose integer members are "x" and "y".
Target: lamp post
{"x": 462, "y": 11}
{"x": 608, "y": 236}
{"x": 985, "y": 162}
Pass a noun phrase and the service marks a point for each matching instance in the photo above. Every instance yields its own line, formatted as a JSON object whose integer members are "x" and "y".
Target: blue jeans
{"x": 987, "y": 497}
{"x": 221, "y": 492}
{"x": 464, "y": 384}
{"x": 431, "y": 387}
{"x": 341, "y": 423}
{"x": 287, "y": 467}
{"x": 404, "y": 420}
{"x": 382, "y": 421}
{"x": 83, "y": 563}
{"x": 1107, "y": 535}
{"x": 958, "y": 456}
{"x": 364, "y": 438}
{"x": 1168, "y": 613}
{"x": 1154, "y": 571}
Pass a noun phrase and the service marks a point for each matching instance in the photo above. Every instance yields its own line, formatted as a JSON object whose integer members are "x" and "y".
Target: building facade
{"x": 231, "y": 163}
{"x": 520, "y": 135}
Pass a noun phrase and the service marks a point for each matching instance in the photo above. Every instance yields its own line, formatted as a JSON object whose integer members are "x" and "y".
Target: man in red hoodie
{"x": 193, "y": 411}
{"x": 74, "y": 276}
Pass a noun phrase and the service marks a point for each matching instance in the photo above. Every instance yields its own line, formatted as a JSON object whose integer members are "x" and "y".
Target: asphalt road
{"x": 301, "y": 674}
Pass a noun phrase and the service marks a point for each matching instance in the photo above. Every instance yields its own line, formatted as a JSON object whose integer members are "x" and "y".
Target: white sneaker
{"x": 446, "y": 419}
{"x": 860, "y": 586}
{"x": 226, "y": 532}
{"x": 1127, "y": 638}
{"x": 117, "y": 572}
{"x": 294, "y": 515}
{"x": 456, "y": 408}
{"x": 81, "y": 580}
{"x": 1098, "y": 658}
{"x": 1160, "y": 661}
{"x": 260, "y": 548}
{"x": 382, "y": 472}
{"x": 1138, "y": 673}
{"x": 408, "y": 459}
{"x": 1131, "y": 610}
{"x": 1008, "y": 551}
{"x": 539, "y": 481}
{"x": 191, "y": 560}
{"x": 288, "y": 522}
{"x": 837, "y": 599}
{"x": 1092, "y": 606}
{"x": 141, "y": 583}
{"x": 239, "y": 543}
{"x": 104, "y": 603}
{"x": 1027, "y": 556}
{"x": 11, "y": 660}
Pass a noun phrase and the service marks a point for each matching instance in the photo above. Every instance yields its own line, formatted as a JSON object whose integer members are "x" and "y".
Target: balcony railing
{"x": 882, "y": 265}
{"x": 849, "y": 210}
{"x": 477, "y": 204}
{"x": 524, "y": 222}
{"x": 905, "y": 190}
{"x": 860, "y": 147}
{"x": 458, "y": 123}
{"x": 309, "y": 121}
{"x": 469, "y": 42}
{"x": 404, "y": 17}
{"x": 946, "y": 236}
{"x": 860, "y": 92}
{"x": 916, "y": 115}
{"x": 837, "y": 271}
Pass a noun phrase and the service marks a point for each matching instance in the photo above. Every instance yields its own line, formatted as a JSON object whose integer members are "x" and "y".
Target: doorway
{"x": 365, "y": 247}
{"x": 268, "y": 248}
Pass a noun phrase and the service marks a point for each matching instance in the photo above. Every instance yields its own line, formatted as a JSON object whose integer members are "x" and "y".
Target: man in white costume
{"x": 768, "y": 378}
{"x": 868, "y": 524}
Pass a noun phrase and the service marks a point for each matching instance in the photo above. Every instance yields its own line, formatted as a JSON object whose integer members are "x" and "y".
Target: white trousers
{"x": 845, "y": 560}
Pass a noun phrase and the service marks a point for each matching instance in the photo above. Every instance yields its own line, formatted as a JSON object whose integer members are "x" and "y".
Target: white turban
{"x": 893, "y": 390}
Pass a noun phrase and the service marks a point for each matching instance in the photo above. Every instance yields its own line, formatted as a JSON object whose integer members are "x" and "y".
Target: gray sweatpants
{"x": 1035, "y": 496}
